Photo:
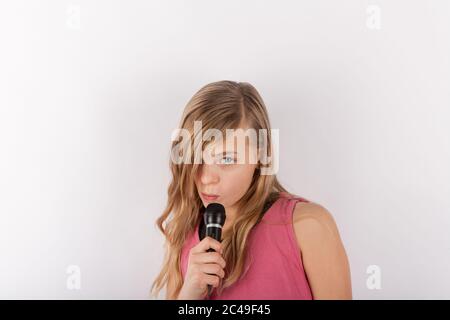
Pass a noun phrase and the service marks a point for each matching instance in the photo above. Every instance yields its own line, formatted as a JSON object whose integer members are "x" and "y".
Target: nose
{"x": 209, "y": 174}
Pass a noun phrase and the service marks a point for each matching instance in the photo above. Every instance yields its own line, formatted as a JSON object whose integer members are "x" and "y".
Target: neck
{"x": 231, "y": 214}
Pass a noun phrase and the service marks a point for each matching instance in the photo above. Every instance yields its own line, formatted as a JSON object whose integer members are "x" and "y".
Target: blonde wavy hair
{"x": 220, "y": 105}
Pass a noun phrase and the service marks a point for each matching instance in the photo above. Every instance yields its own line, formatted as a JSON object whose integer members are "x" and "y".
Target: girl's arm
{"x": 323, "y": 254}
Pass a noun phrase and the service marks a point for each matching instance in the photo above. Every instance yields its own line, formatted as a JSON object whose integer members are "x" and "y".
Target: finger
{"x": 212, "y": 280}
{"x": 206, "y": 244}
{"x": 212, "y": 269}
{"x": 210, "y": 257}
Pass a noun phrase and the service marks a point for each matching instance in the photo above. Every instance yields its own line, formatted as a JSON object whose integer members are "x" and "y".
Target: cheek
{"x": 237, "y": 182}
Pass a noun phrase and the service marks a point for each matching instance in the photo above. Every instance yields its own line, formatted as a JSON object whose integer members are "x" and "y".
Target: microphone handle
{"x": 215, "y": 233}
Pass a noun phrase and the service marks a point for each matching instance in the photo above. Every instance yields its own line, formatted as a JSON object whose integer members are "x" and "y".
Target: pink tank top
{"x": 275, "y": 269}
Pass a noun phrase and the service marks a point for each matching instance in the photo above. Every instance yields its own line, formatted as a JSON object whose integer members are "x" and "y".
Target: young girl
{"x": 275, "y": 245}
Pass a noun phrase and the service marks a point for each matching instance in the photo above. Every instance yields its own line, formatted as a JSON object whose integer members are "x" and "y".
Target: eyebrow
{"x": 225, "y": 152}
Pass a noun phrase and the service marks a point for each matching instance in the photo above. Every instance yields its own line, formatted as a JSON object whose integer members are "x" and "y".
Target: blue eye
{"x": 227, "y": 160}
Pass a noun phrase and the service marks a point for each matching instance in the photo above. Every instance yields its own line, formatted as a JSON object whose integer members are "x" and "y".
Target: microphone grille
{"x": 214, "y": 213}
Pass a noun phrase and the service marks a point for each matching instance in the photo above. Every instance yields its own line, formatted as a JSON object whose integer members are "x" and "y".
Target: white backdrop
{"x": 90, "y": 92}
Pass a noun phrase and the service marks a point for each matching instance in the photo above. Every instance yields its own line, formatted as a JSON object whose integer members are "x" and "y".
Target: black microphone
{"x": 214, "y": 218}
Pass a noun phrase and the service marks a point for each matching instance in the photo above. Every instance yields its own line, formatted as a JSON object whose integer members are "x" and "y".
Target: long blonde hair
{"x": 221, "y": 105}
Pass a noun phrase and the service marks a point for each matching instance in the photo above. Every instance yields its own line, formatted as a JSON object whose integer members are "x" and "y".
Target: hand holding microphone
{"x": 206, "y": 265}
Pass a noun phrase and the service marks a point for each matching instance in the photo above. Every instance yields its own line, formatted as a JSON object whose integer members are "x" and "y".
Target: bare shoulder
{"x": 323, "y": 254}
{"x": 311, "y": 219}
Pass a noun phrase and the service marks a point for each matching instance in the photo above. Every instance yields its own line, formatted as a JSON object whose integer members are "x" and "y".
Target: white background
{"x": 90, "y": 92}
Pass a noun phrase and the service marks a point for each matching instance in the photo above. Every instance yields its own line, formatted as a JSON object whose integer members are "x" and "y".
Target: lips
{"x": 209, "y": 197}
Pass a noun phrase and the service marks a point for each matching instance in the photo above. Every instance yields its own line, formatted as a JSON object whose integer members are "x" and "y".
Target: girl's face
{"x": 228, "y": 174}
